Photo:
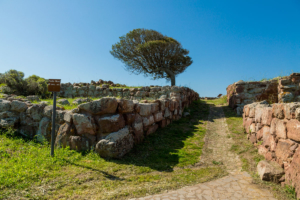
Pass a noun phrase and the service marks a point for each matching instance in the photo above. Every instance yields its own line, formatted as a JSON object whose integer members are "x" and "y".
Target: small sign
{"x": 54, "y": 85}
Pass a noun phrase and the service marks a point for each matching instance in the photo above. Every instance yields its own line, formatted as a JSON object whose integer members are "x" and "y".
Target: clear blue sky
{"x": 228, "y": 40}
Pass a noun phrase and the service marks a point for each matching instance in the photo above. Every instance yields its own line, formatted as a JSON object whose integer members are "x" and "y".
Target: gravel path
{"x": 236, "y": 186}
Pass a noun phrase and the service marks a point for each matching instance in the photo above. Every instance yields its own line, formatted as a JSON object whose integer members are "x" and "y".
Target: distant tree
{"x": 14, "y": 80}
{"x": 36, "y": 85}
{"x": 33, "y": 85}
{"x": 151, "y": 53}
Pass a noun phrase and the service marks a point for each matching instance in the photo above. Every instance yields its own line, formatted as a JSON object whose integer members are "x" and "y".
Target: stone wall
{"x": 278, "y": 90}
{"x": 242, "y": 93}
{"x": 109, "y": 125}
{"x": 275, "y": 130}
{"x": 69, "y": 90}
{"x": 289, "y": 89}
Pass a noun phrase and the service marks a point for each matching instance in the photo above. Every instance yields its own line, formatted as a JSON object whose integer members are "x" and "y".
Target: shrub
{"x": 15, "y": 83}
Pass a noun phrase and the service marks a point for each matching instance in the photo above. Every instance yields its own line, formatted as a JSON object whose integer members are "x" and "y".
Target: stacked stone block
{"x": 69, "y": 90}
{"x": 242, "y": 93}
{"x": 289, "y": 89}
{"x": 275, "y": 129}
{"x": 111, "y": 126}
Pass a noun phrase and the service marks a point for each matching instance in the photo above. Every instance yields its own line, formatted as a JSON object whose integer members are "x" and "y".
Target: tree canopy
{"x": 152, "y": 54}
{"x": 33, "y": 85}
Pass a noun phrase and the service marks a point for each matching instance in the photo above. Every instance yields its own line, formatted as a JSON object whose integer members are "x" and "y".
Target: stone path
{"x": 236, "y": 186}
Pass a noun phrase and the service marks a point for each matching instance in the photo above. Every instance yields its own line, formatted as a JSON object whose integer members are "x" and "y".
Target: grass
{"x": 220, "y": 101}
{"x": 166, "y": 160}
{"x": 249, "y": 154}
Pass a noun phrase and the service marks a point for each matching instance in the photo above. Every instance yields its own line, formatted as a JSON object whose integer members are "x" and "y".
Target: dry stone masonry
{"x": 278, "y": 90}
{"x": 109, "y": 125}
{"x": 99, "y": 89}
{"x": 275, "y": 129}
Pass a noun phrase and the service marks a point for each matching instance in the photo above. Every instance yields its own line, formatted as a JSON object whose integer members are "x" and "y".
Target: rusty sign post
{"x": 53, "y": 86}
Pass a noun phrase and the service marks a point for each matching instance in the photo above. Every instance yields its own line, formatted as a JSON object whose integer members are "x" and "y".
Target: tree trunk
{"x": 173, "y": 80}
{"x": 172, "y": 76}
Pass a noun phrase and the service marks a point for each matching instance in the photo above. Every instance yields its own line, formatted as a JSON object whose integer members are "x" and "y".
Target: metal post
{"x": 53, "y": 124}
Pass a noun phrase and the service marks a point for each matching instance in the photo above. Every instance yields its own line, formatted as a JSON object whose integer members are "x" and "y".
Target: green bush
{"x": 15, "y": 83}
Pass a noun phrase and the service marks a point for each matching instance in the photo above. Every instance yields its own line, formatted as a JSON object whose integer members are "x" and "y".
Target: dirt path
{"x": 236, "y": 186}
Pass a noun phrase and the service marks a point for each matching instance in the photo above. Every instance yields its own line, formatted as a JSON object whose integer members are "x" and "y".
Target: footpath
{"x": 236, "y": 186}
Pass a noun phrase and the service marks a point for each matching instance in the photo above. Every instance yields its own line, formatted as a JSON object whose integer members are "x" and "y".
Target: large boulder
{"x": 145, "y": 109}
{"x": 35, "y": 112}
{"x": 158, "y": 116}
{"x": 269, "y": 171}
{"x": 283, "y": 150}
{"x": 18, "y": 106}
{"x": 106, "y": 105}
{"x": 44, "y": 130}
{"x": 85, "y": 124}
{"x": 8, "y": 122}
{"x": 147, "y": 121}
{"x": 63, "y": 102}
{"x": 125, "y": 106}
{"x": 4, "y": 105}
{"x": 80, "y": 143}
{"x": 63, "y": 135}
{"x": 293, "y": 130}
{"x": 116, "y": 144}
{"x": 8, "y": 114}
{"x": 111, "y": 123}
{"x": 129, "y": 118}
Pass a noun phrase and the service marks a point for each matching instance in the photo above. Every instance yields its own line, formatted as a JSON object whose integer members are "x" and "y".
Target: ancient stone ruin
{"x": 278, "y": 90}
{"x": 109, "y": 125}
{"x": 275, "y": 129}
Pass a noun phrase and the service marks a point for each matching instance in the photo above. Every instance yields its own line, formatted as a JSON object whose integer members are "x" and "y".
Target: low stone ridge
{"x": 109, "y": 125}
{"x": 102, "y": 89}
{"x": 278, "y": 90}
{"x": 275, "y": 130}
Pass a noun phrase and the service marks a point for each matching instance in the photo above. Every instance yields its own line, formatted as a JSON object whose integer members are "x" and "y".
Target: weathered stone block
{"x": 145, "y": 109}
{"x": 147, "y": 121}
{"x": 152, "y": 129}
{"x": 292, "y": 174}
{"x": 4, "y": 105}
{"x": 277, "y": 110}
{"x": 269, "y": 171}
{"x": 111, "y": 123}
{"x": 18, "y": 106}
{"x": 129, "y": 118}
{"x": 263, "y": 131}
{"x": 158, "y": 116}
{"x": 35, "y": 112}
{"x": 266, "y": 117}
{"x": 84, "y": 124}
{"x": 105, "y": 105}
{"x": 125, "y": 106}
{"x": 293, "y": 130}
{"x": 80, "y": 143}
{"x": 116, "y": 144}
{"x": 283, "y": 150}
{"x": 281, "y": 129}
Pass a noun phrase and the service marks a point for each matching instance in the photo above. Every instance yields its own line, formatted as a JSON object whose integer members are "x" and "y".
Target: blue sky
{"x": 228, "y": 40}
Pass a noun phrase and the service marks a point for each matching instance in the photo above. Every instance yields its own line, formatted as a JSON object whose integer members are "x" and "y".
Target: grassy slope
{"x": 249, "y": 154}
{"x": 165, "y": 160}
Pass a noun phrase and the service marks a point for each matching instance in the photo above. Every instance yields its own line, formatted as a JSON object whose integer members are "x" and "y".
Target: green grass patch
{"x": 164, "y": 161}
{"x": 220, "y": 101}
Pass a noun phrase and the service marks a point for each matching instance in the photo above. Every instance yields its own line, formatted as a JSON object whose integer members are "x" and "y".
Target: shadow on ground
{"x": 159, "y": 151}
